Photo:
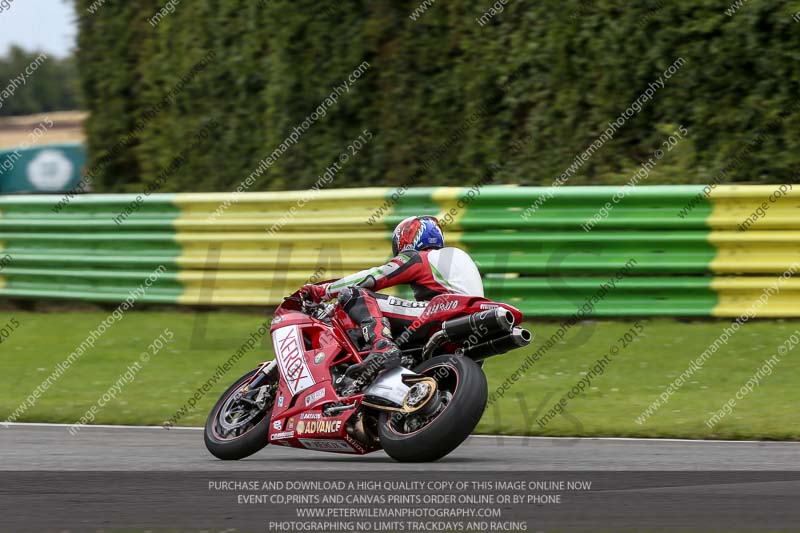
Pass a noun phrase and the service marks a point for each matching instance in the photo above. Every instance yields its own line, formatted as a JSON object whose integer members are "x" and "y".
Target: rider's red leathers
{"x": 428, "y": 272}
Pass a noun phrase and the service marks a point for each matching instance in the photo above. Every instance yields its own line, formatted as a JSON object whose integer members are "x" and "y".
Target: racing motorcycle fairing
{"x": 312, "y": 352}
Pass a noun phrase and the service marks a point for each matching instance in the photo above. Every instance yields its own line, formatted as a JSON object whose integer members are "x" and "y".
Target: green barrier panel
{"x": 629, "y": 296}
{"x": 89, "y": 212}
{"x": 527, "y": 208}
{"x": 70, "y": 247}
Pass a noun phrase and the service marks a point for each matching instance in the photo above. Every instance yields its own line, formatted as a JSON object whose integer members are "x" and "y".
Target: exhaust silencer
{"x": 518, "y": 338}
{"x": 487, "y": 323}
{"x": 492, "y": 323}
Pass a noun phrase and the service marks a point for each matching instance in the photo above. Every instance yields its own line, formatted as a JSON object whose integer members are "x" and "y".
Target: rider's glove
{"x": 315, "y": 293}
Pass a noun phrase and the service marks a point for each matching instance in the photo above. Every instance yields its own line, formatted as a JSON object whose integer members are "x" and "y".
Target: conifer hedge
{"x": 552, "y": 73}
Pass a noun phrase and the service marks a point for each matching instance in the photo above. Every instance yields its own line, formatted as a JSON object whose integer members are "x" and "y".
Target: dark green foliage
{"x": 557, "y": 71}
{"x": 50, "y": 83}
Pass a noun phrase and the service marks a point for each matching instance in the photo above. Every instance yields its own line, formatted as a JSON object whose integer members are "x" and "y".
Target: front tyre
{"x": 238, "y": 425}
{"x": 462, "y": 394}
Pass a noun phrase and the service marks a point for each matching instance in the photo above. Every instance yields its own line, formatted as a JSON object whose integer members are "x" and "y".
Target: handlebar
{"x": 326, "y": 310}
{"x": 319, "y": 311}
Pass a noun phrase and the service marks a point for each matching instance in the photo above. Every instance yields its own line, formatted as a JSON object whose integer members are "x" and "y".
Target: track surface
{"x": 31, "y": 447}
{"x": 151, "y": 479}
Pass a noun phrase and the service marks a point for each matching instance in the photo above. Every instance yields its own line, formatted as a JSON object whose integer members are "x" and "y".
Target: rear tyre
{"x": 462, "y": 391}
{"x": 236, "y": 429}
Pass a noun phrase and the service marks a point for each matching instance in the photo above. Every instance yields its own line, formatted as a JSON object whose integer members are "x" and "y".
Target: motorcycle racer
{"x": 422, "y": 261}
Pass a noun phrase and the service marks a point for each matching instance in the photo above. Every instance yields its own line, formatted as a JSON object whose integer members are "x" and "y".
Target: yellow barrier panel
{"x": 279, "y": 211}
{"x": 754, "y": 252}
{"x": 756, "y": 296}
{"x": 755, "y": 207}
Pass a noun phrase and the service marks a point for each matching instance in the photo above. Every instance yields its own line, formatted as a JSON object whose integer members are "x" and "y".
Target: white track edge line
{"x": 636, "y": 439}
{"x": 84, "y": 426}
{"x": 520, "y": 437}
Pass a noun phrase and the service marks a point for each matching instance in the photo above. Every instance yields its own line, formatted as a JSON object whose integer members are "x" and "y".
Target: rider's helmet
{"x": 417, "y": 233}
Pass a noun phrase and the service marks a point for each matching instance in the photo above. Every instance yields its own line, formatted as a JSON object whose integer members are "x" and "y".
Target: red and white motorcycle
{"x": 419, "y": 412}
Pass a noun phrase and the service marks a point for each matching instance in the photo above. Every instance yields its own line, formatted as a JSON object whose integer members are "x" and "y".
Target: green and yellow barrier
{"x": 692, "y": 254}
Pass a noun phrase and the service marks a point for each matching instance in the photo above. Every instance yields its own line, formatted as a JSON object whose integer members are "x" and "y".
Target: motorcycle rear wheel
{"x": 463, "y": 392}
{"x": 244, "y": 437}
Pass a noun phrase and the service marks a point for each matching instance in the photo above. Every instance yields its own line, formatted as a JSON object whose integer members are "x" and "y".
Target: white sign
{"x": 50, "y": 170}
{"x": 292, "y": 358}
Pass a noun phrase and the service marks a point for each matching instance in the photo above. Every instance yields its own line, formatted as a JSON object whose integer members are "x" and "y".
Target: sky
{"x": 46, "y": 25}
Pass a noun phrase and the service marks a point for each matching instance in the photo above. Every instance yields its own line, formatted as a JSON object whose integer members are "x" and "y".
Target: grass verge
{"x": 633, "y": 378}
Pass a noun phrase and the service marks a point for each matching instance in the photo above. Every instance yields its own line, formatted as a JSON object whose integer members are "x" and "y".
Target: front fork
{"x": 261, "y": 378}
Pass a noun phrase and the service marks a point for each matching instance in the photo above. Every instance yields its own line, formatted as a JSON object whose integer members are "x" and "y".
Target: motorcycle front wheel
{"x": 238, "y": 425}
{"x": 457, "y": 408}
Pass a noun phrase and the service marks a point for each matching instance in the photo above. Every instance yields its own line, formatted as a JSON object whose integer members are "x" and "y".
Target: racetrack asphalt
{"x": 52, "y": 447}
{"x": 152, "y": 479}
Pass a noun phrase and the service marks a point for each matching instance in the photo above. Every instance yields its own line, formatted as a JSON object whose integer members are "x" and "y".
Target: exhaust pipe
{"x": 497, "y": 320}
{"x": 492, "y": 323}
{"x": 518, "y": 338}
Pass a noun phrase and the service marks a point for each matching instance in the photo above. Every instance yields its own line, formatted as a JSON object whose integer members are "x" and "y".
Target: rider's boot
{"x": 384, "y": 354}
